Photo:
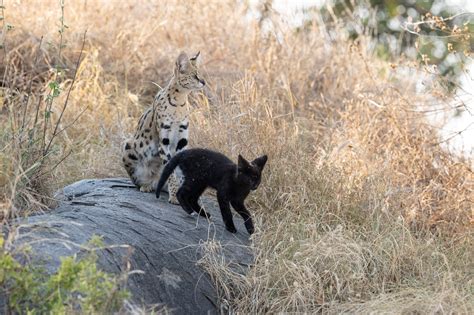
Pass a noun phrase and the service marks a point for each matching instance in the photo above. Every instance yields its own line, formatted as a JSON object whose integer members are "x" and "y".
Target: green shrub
{"x": 76, "y": 287}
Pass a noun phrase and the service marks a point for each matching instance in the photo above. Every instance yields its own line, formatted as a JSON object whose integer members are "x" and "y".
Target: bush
{"x": 77, "y": 286}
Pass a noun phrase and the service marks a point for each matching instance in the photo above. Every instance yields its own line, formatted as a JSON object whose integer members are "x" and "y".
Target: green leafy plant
{"x": 77, "y": 285}
{"x": 29, "y": 140}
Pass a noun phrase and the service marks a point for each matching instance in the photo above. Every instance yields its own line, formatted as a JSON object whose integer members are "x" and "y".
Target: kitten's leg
{"x": 245, "y": 214}
{"x": 197, "y": 207}
{"x": 226, "y": 212}
{"x": 182, "y": 196}
{"x": 194, "y": 202}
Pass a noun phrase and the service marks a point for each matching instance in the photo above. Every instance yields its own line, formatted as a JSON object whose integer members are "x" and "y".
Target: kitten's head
{"x": 186, "y": 72}
{"x": 250, "y": 173}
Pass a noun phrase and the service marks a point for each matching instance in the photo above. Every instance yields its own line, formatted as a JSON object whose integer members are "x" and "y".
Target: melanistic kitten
{"x": 204, "y": 168}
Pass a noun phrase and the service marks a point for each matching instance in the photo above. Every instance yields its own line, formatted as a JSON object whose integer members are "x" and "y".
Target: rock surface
{"x": 166, "y": 241}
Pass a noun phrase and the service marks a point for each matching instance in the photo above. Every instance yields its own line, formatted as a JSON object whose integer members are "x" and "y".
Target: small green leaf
{"x": 53, "y": 85}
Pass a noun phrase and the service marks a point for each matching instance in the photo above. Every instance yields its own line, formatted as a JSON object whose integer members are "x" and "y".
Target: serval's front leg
{"x": 177, "y": 179}
{"x": 174, "y": 182}
{"x": 173, "y": 139}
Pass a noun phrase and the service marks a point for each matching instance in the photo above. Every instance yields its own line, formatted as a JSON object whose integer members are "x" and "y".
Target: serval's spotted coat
{"x": 163, "y": 129}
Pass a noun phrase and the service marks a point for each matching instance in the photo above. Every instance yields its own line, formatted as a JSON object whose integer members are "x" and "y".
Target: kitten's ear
{"x": 260, "y": 162}
{"x": 243, "y": 164}
{"x": 196, "y": 60}
{"x": 182, "y": 62}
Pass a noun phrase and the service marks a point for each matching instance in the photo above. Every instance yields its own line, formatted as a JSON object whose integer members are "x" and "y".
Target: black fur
{"x": 204, "y": 168}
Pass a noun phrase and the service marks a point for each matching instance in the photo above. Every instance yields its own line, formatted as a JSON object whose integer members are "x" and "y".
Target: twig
{"x": 67, "y": 96}
{"x": 428, "y": 35}
{"x": 4, "y": 46}
{"x": 66, "y": 244}
{"x": 74, "y": 121}
{"x": 457, "y": 133}
{"x": 37, "y": 111}
{"x": 443, "y": 19}
{"x": 51, "y": 98}
{"x": 414, "y": 32}
{"x": 61, "y": 31}
{"x": 55, "y": 165}
{"x": 30, "y": 86}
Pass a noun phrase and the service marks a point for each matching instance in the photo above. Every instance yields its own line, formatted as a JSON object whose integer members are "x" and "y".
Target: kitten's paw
{"x": 146, "y": 188}
{"x": 205, "y": 214}
{"x": 173, "y": 200}
{"x": 249, "y": 226}
{"x": 231, "y": 229}
{"x": 193, "y": 214}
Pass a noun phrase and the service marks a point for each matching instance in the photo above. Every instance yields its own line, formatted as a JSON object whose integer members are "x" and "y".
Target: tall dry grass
{"x": 360, "y": 209}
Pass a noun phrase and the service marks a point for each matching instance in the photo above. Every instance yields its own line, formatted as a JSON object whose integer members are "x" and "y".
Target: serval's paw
{"x": 146, "y": 188}
{"x": 173, "y": 200}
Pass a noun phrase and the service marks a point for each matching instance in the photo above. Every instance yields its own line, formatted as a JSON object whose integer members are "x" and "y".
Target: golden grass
{"x": 360, "y": 209}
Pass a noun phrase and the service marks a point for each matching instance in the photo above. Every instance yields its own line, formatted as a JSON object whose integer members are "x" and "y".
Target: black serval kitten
{"x": 204, "y": 168}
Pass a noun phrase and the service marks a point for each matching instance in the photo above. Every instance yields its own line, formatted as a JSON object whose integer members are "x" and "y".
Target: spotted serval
{"x": 163, "y": 129}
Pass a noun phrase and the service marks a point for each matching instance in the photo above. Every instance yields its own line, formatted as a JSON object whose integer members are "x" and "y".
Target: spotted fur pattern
{"x": 163, "y": 130}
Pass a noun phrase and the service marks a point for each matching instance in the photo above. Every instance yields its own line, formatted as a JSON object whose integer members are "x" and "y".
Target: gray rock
{"x": 166, "y": 241}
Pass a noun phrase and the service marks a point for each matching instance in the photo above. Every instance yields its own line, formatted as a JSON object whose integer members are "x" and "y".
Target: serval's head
{"x": 186, "y": 72}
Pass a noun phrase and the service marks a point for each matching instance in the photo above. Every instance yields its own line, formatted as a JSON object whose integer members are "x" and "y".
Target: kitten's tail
{"x": 166, "y": 173}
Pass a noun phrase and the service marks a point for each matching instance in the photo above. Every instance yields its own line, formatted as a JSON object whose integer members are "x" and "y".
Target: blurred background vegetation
{"x": 435, "y": 32}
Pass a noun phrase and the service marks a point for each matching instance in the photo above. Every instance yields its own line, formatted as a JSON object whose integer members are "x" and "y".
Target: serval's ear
{"x": 182, "y": 62}
{"x": 196, "y": 60}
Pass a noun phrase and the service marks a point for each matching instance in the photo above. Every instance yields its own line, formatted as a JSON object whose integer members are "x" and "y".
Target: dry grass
{"x": 360, "y": 209}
